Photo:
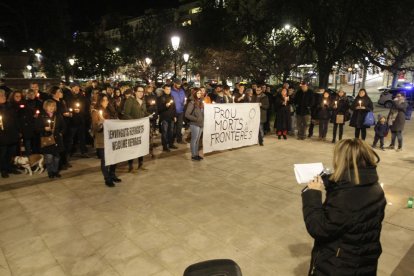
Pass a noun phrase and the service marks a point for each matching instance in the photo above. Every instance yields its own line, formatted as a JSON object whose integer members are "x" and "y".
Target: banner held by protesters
{"x": 126, "y": 139}
{"x": 228, "y": 126}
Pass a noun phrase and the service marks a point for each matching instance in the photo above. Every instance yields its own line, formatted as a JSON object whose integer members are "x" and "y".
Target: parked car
{"x": 388, "y": 95}
{"x": 400, "y": 84}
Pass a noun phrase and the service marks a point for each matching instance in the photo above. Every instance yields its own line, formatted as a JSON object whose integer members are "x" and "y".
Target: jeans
{"x": 341, "y": 131}
{"x": 6, "y": 154}
{"x": 380, "y": 138}
{"x": 323, "y": 128}
{"x": 196, "y": 132}
{"x": 27, "y": 146}
{"x": 179, "y": 127}
{"x": 396, "y": 134}
{"x": 167, "y": 137}
{"x": 302, "y": 123}
{"x": 362, "y": 131}
{"x": 292, "y": 125}
{"x": 108, "y": 172}
{"x": 52, "y": 163}
{"x": 310, "y": 130}
{"x": 78, "y": 131}
{"x": 261, "y": 134}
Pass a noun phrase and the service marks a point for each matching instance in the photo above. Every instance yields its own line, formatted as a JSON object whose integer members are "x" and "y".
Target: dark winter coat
{"x": 10, "y": 133}
{"x": 195, "y": 114}
{"x": 358, "y": 115}
{"x": 264, "y": 106}
{"x": 134, "y": 110}
{"x": 58, "y": 126}
{"x": 317, "y": 101}
{"x": 396, "y": 117}
{"x": 84, "y": 112}
{"x": 323, "y": 109}
{"x": 151, "y": 103}
{"x": 166, "y": 113}
{"x": 304, "y": 102}
{"x": 381, "y": 130}
{"x": 342, "y": 108}
{"x": 25, "y": 119}
{"x": 347, "y": 226}
{"x": 283, "y": 118}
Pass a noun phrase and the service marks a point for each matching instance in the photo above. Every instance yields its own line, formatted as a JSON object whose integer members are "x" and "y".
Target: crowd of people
{"x": 65, "y": 119}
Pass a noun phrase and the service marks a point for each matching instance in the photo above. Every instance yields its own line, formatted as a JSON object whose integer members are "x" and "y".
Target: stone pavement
{"x": 241, "y": 204}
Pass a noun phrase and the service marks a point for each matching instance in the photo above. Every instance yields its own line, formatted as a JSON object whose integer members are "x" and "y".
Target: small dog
{"x": 28, "y": 162}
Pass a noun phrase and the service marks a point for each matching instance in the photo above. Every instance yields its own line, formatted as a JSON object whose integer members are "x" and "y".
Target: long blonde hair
{"x": 352, "y": 154}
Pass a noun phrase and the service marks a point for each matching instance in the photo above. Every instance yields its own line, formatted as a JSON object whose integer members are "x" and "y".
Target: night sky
{"x": 84, "y": 11}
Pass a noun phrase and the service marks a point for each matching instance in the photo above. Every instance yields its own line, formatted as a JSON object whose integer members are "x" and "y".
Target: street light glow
{"x": 287, "y": 27}
{"x": 148, "y": 61}
{"x": 356, "y": 66}
{"x": 117, "y": 49}
{"x": 175, "y": 42}
{"x": 186, "y": 57}
{"x": 29, "y": 67}
{"x": 71, "y": 61}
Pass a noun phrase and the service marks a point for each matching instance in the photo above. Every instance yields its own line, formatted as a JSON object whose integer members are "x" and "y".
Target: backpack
{"x": 186, "y": 120}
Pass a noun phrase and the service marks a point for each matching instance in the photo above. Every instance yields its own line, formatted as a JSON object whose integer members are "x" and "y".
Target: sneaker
{"x": 382, "y": 148}
{"x": 391, "y": 146}
{"x": 116, "y": 179}
{"x": 201, "y": 158}
{"x": 173, "y": 147}
{"x": 195, "y": 158}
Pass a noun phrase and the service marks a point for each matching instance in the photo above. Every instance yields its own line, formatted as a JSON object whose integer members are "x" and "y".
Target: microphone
{"x": 325, "y": 172}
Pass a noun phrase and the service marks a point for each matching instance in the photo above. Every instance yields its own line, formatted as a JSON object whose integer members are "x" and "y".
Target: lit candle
{"x": 233, "y": 99}
{"x": 336, "y": 103}
{"x": 100, "y": 114}
{"x": 70, "y": 110}
{"x": 152, "y": 102}
{"x": 77, "y": 105}
{"x": 1, "y": 122}
{"x": 37, "y": 112}
{"x": 171, "y": 102}
{"x": 50, "y": 123}
{"x": 360, "y": 103}
{"x": 22, "y": 106}
{"x": 324, "y": 101}
{"x": 185, "y": 99}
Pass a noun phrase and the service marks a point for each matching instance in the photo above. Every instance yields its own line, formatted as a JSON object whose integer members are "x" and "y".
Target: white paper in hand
{"x": 306, "y": 172}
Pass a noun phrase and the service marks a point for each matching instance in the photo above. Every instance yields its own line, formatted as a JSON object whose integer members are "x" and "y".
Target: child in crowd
{"x": 381, "y": 131}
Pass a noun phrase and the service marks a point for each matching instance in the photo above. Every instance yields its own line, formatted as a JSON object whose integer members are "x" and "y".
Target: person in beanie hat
{"x": 381, "y": 131}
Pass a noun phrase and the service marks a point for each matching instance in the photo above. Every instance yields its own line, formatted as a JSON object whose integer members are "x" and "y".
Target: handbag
{"x": 47, "y": 141}
{"x": 369, "y": 119}
{"x": 340, "y": 119}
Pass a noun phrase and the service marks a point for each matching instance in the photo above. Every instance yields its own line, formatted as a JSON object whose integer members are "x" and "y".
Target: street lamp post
{"x": 148, "y": 62}
{"x": 356, "y": 66}
{"x": 186, "y": 57}
{"x": 71, "y": 62}
{"x": 175, "y": 42}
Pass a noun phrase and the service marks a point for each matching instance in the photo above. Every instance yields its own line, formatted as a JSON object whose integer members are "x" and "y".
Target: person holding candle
{"x": 323, "y": 112}
{"x": 361, "y": 106}
{"x": 195, "y": 115}
{"x": 151, "y": 104}
{"x": 282, "y": 104}
{"x": 25, "y": 120}
{"x": 9, "y": 136}
{"x": 340, "y": 114}
{"x": 102, "y": 111}
{"x": 78, "y": 122}
{"x": 304, "y": 100}
{"x": 396, "y": 120}
{"x": 135, "y": 108}
{"x": 239, "y": 93}
{"x": 346, "y": 227}
{"x": 167, "y": 111}
{"x": 50, "y": 123}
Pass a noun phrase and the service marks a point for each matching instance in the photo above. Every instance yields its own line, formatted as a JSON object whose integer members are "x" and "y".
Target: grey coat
{"x": 263, "y": 99}
{"x": 194, "y": 114}
{"x": 396, "y": 117}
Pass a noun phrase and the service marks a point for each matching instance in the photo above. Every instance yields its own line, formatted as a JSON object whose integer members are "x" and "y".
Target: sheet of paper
{"x": 306, "y": 172}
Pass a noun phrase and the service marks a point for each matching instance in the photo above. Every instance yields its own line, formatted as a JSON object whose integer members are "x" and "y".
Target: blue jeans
{"x": 167, "y": 137}
{"x": 196, "y": 132}
{"x": 52, "y": 163}
{"x": 108, "y": 172}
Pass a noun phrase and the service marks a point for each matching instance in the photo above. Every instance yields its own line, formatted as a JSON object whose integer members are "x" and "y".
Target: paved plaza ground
{"x": 241, "y": 204}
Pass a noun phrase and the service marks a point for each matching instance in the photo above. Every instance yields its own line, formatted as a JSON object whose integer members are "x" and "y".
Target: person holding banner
{"x": 136, "y": 108}
{"x": 167, "y": 112}
{"x": 195, "y": 114}
{"x": 263, "y": 101}
{"x": 101, "y": 112}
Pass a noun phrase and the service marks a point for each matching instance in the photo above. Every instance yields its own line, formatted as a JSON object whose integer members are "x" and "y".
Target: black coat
{"x": 347, "y": 226}
{"x": 264, "y": 106}
{"x": 10, "y": 133}
{"x": 322, "y": 109}
{"x": 341, "y": 108}
{"x": 166, "y": 113}
{"x": 304, "y": 102}
{"x": 283, "y": 119}
{"x": 396, "y": 116}
{"x": 58, "y": 126}
{"x": 80, "y": 118}
{"x": 25, "y": 118}
{"x": 358, "y": 115}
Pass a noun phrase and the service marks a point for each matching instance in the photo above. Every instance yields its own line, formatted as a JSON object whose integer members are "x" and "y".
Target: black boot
{"x": 109, "y": 183}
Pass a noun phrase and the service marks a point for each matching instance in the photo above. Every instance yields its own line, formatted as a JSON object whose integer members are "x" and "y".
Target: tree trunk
{"x": 364, "y": 76}
{"x": 324, "y": 71}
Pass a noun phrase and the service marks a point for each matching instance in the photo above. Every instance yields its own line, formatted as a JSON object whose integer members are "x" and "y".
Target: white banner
{"x": 228, "y": 126}
{"x": 126, "y": 139}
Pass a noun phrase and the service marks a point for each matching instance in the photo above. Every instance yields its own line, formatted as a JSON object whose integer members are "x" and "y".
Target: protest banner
{"x": 228, "y": 126}
{"x": 126, "y": 139}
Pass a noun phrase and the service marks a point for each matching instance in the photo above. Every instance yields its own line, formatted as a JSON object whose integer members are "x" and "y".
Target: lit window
{"x": 195, "y": 10}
